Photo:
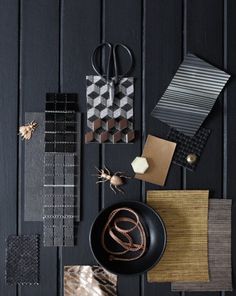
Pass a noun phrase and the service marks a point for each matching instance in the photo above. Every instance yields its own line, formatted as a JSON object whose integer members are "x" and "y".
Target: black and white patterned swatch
{"x": 22, "y": 260}
{"x": 60, "y": 170}
{"x": 190, "y": 95}
{"x": 188, "y": 145}
{"x": 109, "y": 122}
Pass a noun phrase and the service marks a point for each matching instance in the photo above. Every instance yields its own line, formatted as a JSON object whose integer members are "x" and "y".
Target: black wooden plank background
{"x": 46, "y": 47}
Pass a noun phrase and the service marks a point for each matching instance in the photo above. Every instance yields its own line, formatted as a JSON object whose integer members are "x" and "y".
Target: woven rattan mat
{"x": 185, "y": 214}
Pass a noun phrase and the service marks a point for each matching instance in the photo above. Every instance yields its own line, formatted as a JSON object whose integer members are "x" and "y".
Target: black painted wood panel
{"x": 46, "y": 47}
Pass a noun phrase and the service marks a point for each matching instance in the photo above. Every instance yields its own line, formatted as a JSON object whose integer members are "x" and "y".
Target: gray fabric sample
{"x": 22, "y": 260}
{"x": 34, "y": 169}
{"x": 219, "y": 237}
{"x": 33, "y": 175}
{"x": 58, "y": 215}
{"x": 190, "y": 95}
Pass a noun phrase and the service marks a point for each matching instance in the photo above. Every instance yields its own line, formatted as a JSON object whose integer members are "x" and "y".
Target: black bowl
{"x": 156, "y": 240}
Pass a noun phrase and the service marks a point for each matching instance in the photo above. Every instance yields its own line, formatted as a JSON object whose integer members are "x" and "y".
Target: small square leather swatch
{"x": 158, "y": 153}
{"x": 22, "y": 260}
{"x": 188, "y": 146}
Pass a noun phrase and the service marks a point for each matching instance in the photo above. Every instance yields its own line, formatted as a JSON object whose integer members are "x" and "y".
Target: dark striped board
{"x": 191, "y": 95}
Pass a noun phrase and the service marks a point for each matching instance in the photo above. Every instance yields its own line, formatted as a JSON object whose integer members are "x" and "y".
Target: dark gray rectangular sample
{"x": 190, "y": 95}
{"x": 34, "y": 169}
{"x": 57, "y": 209}
{"x": 219, "y": 240}
{"x": 22, "y": 260}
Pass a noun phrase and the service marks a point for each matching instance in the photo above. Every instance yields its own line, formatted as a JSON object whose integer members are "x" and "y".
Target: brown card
{"x": 158, "y": 153}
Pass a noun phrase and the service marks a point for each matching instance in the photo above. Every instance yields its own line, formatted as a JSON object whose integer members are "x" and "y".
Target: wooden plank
{"x": 8, "y": 129}
{"x": 122, "y": 22}
{"x": 230, "y": 108}
{"x": 205, "y": 39}
{"x": 162, "y": 56}
{"x": 80, "y": 34}
{"x": 38, "y": 75}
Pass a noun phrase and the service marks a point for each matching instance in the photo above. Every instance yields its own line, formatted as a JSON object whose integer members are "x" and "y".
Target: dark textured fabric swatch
{"x": 60, "y": 169}
{"x": 34, "y": 170}
{"x": 22, "y": 260}
{"x": 190, "y": 95}
{"x": 59, "y": 193}
{"x": 188, "y": 145}
{"x": 219, "y": 249}
{"x": 109, "y": 122}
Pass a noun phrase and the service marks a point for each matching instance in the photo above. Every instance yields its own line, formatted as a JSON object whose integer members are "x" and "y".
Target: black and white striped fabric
{"x": 191, "y": 95}
{"x": 60, "y": 169}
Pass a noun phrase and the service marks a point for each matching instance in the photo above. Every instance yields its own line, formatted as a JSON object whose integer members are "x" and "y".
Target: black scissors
{"x": 112, "y": 81}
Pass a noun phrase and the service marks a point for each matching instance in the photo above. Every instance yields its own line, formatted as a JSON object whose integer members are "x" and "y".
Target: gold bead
{"x": 191, "y": 158}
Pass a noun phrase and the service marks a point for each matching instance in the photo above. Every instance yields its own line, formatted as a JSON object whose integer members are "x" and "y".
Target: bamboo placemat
{"x": 219, "y": 236}
{"x": 185, "y": 214}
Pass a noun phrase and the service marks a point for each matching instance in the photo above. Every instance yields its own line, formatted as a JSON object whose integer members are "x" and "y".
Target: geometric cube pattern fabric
{"x": 188, "y": 145}
{"x": 219, "y": 246}
{"x": 85, "y": 280}
{"x": 60, "y": 169}
{"x": 22, "y": 260}
{"x": 185, "y": 215}
{"x": 109, "y": 121}
{"x": 190, "y": 95}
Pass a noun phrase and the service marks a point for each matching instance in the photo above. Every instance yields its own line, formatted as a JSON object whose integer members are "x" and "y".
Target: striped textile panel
{"x": 219, "y": 246}
{"x": 191, "y": 95}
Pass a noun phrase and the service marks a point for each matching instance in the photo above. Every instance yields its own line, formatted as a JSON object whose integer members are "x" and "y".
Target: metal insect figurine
{"x": 115, "y": 180}
{"x": 27, "y": 130}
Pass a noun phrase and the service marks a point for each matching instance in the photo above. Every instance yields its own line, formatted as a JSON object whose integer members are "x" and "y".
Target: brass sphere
{"x": 191, "y": 158}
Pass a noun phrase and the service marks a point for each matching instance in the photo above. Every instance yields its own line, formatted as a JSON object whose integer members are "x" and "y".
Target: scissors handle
{"x": 117, "y": 76}
{"x": 93, "y": 59}
{"x": 112, "y": 54}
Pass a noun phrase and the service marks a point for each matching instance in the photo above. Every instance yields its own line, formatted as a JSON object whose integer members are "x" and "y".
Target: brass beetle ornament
{"x": 115, "y": 180}
{"x": 27, "y": 130}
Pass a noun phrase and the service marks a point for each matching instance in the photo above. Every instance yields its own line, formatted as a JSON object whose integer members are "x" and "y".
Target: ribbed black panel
{"x": 191, "y": 95}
